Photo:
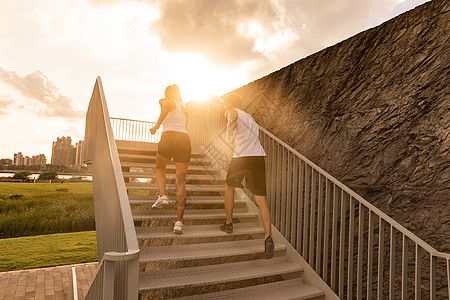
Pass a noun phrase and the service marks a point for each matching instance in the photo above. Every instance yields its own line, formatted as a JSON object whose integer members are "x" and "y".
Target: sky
{"x": 51, "y": 52}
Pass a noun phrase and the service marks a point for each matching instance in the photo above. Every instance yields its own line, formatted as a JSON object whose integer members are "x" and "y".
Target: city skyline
{"x": 53, "y": 51}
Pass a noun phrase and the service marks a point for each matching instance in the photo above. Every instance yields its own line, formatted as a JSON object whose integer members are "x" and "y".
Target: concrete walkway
{"x": 46, "y": 283}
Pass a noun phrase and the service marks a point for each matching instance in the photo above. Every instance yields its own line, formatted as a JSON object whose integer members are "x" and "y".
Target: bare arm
{"x": 231, "y": 116}
{"x": 166, "y": 107}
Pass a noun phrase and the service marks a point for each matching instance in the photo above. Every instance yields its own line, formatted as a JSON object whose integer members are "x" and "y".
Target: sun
{"x": 199, "y": 79}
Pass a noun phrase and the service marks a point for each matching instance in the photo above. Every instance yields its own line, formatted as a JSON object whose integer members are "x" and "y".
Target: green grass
{"x": 47, "y": 250}
{"x": 28, "y": 209}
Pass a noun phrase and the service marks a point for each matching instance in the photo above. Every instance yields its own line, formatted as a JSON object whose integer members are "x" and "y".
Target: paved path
{"x": 45, "y": 283}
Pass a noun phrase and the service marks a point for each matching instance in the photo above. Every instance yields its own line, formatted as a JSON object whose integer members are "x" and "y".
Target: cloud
{"x": 39, "y": 87}
{"x": 218, "y": 29}
{"x": 5, "y": 102}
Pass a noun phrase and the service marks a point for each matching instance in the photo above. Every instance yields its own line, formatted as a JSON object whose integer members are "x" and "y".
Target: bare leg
{"x": 181, "y": 170}
{"x": 265, "y": 214}
{"x": 229, "y": 202}
{"x": 161, "y": 163}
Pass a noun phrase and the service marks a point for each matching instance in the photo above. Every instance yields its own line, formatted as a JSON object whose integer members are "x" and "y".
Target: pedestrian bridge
{"x": 330, "y": 243}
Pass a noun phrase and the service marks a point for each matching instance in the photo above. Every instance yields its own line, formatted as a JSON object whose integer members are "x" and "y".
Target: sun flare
{"x": 199, "y": 79}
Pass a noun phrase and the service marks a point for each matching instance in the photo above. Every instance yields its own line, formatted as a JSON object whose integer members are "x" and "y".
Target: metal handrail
{"x": 117, "y": 245}
{"x": 134, "y": 130}
{"x": 318, "y": 214}
{"x": 366, "y": 203}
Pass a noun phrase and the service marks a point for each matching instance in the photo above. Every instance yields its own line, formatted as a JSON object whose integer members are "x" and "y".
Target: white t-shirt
{"x": 246, "y": 136}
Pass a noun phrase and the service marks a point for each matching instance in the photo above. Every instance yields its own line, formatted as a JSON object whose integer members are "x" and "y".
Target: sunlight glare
{"x": 199, "y": 79}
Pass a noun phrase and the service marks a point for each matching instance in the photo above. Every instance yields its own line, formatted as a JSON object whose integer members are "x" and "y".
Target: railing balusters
{"x": 289, "y": 211}
{"x": 360, "y": 252}
{"x": 319, "y": 226}
{"x": 301, "y": 200}
{"x": 334, "y": 238}
{"x": 432, "y": 277}
{"x": 370, "y": 256}
{"x": 380, "y": 258}
{"x": 351, "y": 240}
{"x": 283, "y": 191}
{"x": 326, "y": 242}
{"x": 392, "y": 265}
{"x": 342, "y": 246}
{"x": 294, "y": 220}
{"x": 312, "y": 217}
{"x": 404, "y": 268}
{"x": 306, "y": 213}
{"x": 418, "y": 273}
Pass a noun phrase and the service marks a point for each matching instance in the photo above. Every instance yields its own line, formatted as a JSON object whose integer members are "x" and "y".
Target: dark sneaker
{"x": 227, "y": 227}
{"x": 268, "y": 247}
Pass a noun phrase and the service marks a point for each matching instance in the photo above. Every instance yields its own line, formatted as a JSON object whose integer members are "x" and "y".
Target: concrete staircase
{"x": 203, "y": 262}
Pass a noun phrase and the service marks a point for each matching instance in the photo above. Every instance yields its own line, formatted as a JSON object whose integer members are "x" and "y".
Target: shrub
{"x": 22, "y": 175}
{"x": 48, "y": 175}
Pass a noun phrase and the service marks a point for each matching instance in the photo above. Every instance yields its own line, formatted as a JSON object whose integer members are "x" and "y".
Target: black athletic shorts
{"x": 176, "y": 145}
{"x": 253, "y": 168}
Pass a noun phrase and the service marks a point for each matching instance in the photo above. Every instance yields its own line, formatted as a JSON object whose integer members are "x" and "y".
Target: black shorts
{"x": 253, "y": 168}
{"x": 176, "y": 145}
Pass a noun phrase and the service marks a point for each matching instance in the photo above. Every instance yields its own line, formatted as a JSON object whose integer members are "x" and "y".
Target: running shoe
{"x": 268, "y": 247}
{"x": 162, "y": 200}
{"x": 178, "y": 227}
{"x": 227, "y": 227}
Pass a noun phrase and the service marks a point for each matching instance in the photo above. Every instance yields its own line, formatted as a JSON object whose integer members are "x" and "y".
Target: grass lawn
{"x": 28, "y": 209}
{"x": 47, "y": 250}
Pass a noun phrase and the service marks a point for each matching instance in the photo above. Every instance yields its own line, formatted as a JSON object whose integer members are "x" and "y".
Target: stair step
{"x": 149, "y": 158}
{"x": 204, "y": 251}
{"x": 189, "y": 177}
{"x": 204, "y": 215}
{"x": 132, "y": 186}
{"x": 191, "y": 202}
{"x": 145, "y": 147}
{"x": 292, "y": 289}
{"x": 191, "y": 169}
{"x": 163, "y": 235}
{"x": 173, "y": 279}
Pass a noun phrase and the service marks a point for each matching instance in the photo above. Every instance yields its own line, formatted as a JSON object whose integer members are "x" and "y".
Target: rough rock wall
{"x": 374, "y": 111}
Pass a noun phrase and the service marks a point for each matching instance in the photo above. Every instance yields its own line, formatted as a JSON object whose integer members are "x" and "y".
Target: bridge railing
{"x": 358, "y": 250}
{"x": 117, "y": 245}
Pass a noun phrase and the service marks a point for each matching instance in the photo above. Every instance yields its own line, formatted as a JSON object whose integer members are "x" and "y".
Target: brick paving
{"x": 45, "y": 283}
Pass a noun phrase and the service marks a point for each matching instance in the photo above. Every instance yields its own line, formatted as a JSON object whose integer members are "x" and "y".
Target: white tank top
{"x": 175, "y": 120}
{"x": 246, "y": 136}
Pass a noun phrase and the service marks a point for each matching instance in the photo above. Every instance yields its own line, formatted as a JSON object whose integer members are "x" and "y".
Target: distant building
{"x": 6, "y": 162}
{"x": 18, "y": 159}
{"x": 27, "y": 161}
{"x": 63, "y": 152}
{"x": 79, "y": 151}
{"x": 39, "y": 160}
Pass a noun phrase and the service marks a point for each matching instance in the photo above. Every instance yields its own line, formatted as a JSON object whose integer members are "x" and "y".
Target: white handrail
{"x": 117, "y": 244}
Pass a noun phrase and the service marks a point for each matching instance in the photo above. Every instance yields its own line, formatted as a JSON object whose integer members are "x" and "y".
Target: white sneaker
{"x": 178, "y": 227}
{"x": 162, "y": 200}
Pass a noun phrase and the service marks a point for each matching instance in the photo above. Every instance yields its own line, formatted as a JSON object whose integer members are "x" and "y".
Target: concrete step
{"x": 192, "y": 202}
{"x": 184, "y": 256}
{"x": 198, "y": 280}
{"x": 216, "y": 178}
{"x": 196, "y": 234}
{"x": 135, "y": 186}
{"x": 170, "y": 168}
{"x": 158, "y": 217}
{"x": 292, "y": 289}
{"x": 151, "y": 148}
{"x": 149, "y": 158}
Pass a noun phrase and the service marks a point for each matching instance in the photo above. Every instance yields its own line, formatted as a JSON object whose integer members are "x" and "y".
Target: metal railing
{"x": 358, "y": 250}
{"x": 134, "y": 130}
{"x": 117, "y": 245}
